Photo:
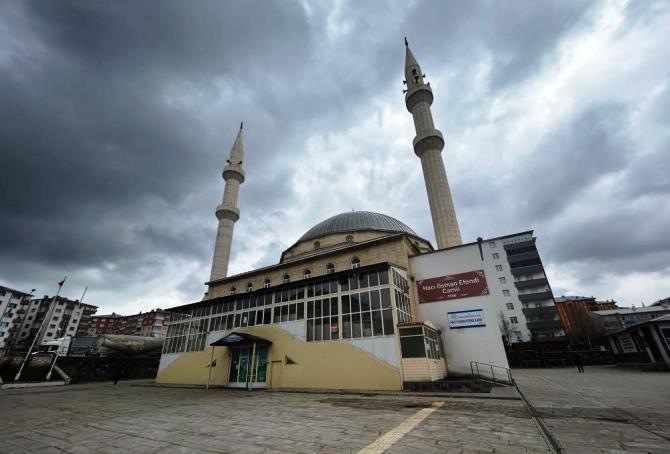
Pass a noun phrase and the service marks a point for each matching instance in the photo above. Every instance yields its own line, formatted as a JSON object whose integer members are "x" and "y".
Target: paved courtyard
{"x": 131, "y": 418}
{"x": 604, "y": 410}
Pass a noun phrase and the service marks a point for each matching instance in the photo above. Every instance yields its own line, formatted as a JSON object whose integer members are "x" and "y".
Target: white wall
{"x": 463, "y": 345}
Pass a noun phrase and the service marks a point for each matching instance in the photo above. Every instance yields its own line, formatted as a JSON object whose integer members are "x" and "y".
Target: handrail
{"x": 506, "y": 372}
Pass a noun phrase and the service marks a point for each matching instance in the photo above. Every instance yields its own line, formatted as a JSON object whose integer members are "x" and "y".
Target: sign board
{"x": 471, "y": 318}
{"x": 452, "y": 286}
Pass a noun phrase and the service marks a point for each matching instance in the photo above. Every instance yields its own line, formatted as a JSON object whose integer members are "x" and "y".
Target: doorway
{"x": 248, "y": 367}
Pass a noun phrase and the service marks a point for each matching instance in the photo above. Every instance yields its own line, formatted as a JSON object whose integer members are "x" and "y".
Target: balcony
{"x": 531, "y": 283}
{"x": 539, "y": 296}
{"x": 544, "y": 325}
{"x": 527, "y": 269}
{"x": 524, "y": 256}
{"x": 519, "y": 245}
{"x": 546, "y": 312}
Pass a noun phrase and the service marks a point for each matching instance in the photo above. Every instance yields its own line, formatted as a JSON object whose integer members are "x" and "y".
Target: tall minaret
{"x": 228, "y": 213}
{"x": 428, "y": 145}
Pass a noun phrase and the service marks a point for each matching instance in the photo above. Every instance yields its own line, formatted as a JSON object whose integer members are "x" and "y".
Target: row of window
{"x": 294, "y": 293}
{"x": 306, "y": 274}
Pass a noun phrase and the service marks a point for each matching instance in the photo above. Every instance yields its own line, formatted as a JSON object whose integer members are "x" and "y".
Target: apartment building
{"x": 12, "y": 312}
{"x": 63, "y": 318}
{"x": 149, "y": 324}
{"x": 528, "y": 311}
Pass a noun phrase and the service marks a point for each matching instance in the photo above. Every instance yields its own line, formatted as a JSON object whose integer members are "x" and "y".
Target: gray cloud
{"x": 116, "y": 118}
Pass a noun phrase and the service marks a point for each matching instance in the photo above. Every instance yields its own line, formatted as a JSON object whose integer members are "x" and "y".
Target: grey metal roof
{"x": 356, "y": 220}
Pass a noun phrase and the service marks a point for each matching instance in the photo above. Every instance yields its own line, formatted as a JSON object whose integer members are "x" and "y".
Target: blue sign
{"x": 471, "y": 318}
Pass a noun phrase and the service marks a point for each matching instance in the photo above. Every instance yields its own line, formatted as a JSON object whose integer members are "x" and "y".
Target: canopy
{"x": 239, "y": 339}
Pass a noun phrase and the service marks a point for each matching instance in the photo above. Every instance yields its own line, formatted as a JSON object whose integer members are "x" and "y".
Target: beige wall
{"x": 423, "y": 369}
{"x": 320, "y": 365}
{"x": 396, "y": 251}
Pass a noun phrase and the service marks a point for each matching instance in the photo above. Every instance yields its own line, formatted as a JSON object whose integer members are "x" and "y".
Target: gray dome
{"x": 356, "y": 220}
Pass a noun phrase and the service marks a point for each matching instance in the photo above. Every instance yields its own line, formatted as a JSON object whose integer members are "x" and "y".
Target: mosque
{"x": 360, "y": 301}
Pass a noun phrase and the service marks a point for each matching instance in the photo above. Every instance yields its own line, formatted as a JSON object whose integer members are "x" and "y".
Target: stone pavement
{"x": 605, "y": 409}
{"x": 127, "y": 418}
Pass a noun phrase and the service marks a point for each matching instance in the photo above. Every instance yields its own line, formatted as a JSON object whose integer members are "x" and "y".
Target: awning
{"x": 239, "y": 339}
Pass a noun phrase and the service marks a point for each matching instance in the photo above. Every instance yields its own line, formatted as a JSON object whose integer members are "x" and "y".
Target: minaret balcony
{"x": 227, "y": 212}
{"x": 429, "y": 139}
{"x": 233, "y": 171}
{"x": 418, "y": 94}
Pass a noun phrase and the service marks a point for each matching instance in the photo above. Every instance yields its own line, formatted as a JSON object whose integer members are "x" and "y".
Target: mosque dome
{"x": 356, "y": 220}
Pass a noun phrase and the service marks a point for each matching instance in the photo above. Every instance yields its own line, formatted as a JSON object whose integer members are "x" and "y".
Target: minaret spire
{"x": 227, "y": 213}
{"x": 428, "y": 145}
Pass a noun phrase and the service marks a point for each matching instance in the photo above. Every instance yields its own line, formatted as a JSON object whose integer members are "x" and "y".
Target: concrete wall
{"x": 462, "y": 345}
{"x": 319, "y": 365}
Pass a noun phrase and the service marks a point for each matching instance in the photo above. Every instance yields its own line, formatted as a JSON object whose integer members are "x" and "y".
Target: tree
{"x": 505, "y": 329}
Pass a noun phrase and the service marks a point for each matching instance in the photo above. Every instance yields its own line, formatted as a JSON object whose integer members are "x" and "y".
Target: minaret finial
{"x": 406, "y": 43}
{"x": 241, "y": 125}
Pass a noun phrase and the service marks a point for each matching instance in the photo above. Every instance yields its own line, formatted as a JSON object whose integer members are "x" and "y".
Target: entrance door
{"x": 247, "y": 368}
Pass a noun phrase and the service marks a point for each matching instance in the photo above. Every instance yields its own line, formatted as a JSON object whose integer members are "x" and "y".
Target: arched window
{"x": 306, "y": 274}
{"x": 267, "y": 283}
{"x": 233, "y": 290}
{"x": 250, "y": 287}
{"x": 330, "y": 268}
{"x": 349, "y": 239}
{"x": 317, "y": 245}
{"x": 286, "y": 279}
{"x": 355, "y": 263}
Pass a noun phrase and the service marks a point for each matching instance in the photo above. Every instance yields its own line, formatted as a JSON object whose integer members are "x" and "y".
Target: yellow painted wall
{"x": 191, "y": 368}
{"x": 320, "y": 365}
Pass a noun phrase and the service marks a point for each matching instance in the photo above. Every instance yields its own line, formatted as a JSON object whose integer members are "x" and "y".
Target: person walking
{"x": 578, "y": 362}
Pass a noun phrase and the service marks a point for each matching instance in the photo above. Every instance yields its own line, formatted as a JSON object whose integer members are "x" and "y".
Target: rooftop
{"x": 356, "y": 221}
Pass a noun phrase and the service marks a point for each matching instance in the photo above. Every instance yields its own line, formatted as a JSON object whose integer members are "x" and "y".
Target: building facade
{"x": 147, "y": 324}
{"x": 64, "y": 317}
{"x": 528, "y": 311}
{"x": 13, "y": 305}
{"x": 618, "y": 319}
{"x": 574, "y": 313}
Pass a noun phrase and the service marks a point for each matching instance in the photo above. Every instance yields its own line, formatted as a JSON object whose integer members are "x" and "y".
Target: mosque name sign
{"x": 453, "y": 286}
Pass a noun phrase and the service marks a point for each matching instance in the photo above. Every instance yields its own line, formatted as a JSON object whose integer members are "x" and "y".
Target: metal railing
{"x": 486, "y": 371}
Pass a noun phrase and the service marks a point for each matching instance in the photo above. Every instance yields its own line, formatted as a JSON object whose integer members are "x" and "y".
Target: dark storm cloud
{"x": 116, "y": 118}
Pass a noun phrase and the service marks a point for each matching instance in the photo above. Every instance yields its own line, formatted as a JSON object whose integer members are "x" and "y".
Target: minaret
{"x": 227, "y": 213}
{"x": 428, "y": 145}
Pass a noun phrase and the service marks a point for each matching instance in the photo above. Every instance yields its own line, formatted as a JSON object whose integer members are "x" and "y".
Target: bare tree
{"x": 505, "y": 329}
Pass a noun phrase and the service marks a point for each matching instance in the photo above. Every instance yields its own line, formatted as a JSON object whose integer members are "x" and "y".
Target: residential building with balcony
{"x": 63, "y": 318}
{"x": 148, "y": 324}
{"x": 528, "y": 311}
{"x": 13, "y": 305}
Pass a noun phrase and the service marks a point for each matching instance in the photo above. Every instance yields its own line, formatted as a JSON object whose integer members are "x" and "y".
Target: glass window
{"x": 330, "y": 268}
{"x": 267, "y": 283}
{"x": 355, "y": 262}
{"x": 306, "y": 274}
{"x": 232, "y": 290}
{"x": 363, "y": 280}
{"x": 502, "y": 280}
{"x": 292, "y": 312}
{"x": 387, "y": 317}
{"x": 496, "y": 256}
{"x": 365, "y": 301}
{"x": 505, "y": 292}
{"x": 286, "y": 279}
{"x": 346, "y": 326}
{"x": 499, "y": 268}
{"x": 345, "y": 304}
{"x": 383, "y": 277}
{"x": 356, "y": 325}
{"x": 301, "y": 311}
{"x": 510, "y": 306}
{"x": 386, "y": 298}
{"x": 250, "y": 287}
{"x": 373, "y": 278}
{"x": 333, "y": 286}
{"x": 514, "y": 320}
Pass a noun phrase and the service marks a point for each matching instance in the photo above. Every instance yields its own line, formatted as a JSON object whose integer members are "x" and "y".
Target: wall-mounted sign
{"x": 466, "y": 319}
{"x": 453, "y": 286}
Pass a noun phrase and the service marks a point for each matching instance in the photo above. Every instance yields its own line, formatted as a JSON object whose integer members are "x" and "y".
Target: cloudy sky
{"x": 117, "y": 117}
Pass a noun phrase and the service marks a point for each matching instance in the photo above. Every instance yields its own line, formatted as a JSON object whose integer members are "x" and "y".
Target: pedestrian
{"x": 578, "y": 362}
